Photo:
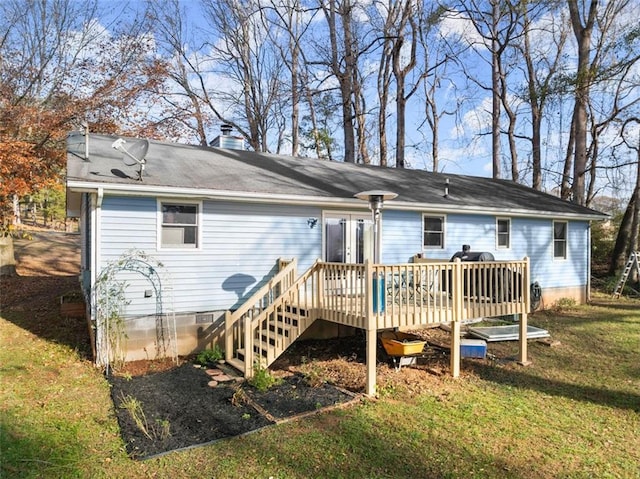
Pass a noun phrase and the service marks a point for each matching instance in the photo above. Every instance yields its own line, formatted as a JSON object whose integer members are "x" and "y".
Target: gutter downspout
{"x": 96, "y": 221}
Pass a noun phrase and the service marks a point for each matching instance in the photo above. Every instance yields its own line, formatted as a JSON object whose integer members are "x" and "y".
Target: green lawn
{"x": 575, "y": 412}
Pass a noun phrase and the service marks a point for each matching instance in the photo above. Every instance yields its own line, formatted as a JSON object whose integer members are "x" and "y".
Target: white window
{"x": 433, "y": 232}
{"x": 503, "y": 233}
{"x": 560, "y": 239}
{"x": 179, "y": 224}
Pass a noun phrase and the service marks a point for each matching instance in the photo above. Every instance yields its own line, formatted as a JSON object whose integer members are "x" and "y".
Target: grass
{"x": 575, "y": 413}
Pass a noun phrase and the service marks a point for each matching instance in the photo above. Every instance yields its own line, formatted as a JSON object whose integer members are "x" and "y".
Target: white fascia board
{"x": 505, "y": 212}
{"x": 321, "y": 201}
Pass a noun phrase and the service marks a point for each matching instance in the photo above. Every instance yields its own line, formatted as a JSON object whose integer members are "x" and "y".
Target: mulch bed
{"x": 181, "y": 410}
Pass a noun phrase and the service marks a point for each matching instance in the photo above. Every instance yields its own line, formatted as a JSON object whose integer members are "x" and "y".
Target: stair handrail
{"x": 252, "y": 323}
{"x": 285, "y": 276}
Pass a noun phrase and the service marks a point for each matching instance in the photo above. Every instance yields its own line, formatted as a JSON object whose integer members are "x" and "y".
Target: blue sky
{"x": 465, "y": 142}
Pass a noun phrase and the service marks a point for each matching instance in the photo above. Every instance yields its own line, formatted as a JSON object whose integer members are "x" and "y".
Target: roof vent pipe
{"x": 446, "y": 187}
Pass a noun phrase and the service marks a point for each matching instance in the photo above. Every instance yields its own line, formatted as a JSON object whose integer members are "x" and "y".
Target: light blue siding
{"x": 477, "y": 231}
{"x": 402, "y": 238}
{"x": 240, "y": 247}
{"x": 401, "y": 235}
{"x": 241, "y": 243}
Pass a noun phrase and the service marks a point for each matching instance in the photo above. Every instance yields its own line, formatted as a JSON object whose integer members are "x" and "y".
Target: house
{"x": 223, "y": 224}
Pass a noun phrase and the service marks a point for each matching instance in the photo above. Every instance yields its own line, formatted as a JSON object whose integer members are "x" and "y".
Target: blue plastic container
{"x": 378, "y": 295}
{"x": 473, "y": 348}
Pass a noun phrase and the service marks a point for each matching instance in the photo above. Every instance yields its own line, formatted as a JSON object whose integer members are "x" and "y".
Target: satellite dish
{"x": 134, "y": 153}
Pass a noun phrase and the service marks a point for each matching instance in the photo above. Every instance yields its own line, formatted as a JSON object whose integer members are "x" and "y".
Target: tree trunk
{"x": 582, "y": 88}
{"x": 495, "y": 89}
{"x": 565, "y": 187}
{"x": 383, "y": 97}
{"x": 295, "y": 100}
{"x": 17, "y": 217}
{"x": 536, "y": 152}
{"x": 511, "y": 131}
{"x": 628, "y": 235}
{"x": 625, "y": 233}
{"x": 534, "y": 103}
{"x": 360, "y": 118}
{"x": 7, "y": 257}
{"x": 401, "y": 104}
{"x": 435, "y": 132}
{"x": 342, "y": 70}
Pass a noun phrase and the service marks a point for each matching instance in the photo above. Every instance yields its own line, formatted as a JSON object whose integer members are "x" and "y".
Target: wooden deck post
{"x": 371, "y": 362}
{"x": 457, "y": 294}
{"x": 248, "y": 348}
{"x": 228, "y": 336}
{"x": 455, "y": 349}
{"x": 522, "y": 336}
{"x": 370, "y": 388}
{"x": 318, "y": 301}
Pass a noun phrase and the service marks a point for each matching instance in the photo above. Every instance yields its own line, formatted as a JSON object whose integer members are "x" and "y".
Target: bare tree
{"x": 248, "y": 67}
{"x": 437, "y": 54}
{"x": 627, "y": 238}
{"x": 539, "y": 80}
{"x": 342, "y": 58}
{"x": 403, "y": 63}
{"x": 496, "y": 21}
{"x": 181, "y": 96}
{"x": 293, "y": 19}
{"x": 384, "y": 78}
{"x": 601, "y": 57}
{"x": 412, "y": 51}
{"x": 400, "y": 28}
{"x": 582, "y": 23}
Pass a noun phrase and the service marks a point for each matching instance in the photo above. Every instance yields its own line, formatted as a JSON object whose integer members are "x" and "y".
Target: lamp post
{"x": 376, "y": 199}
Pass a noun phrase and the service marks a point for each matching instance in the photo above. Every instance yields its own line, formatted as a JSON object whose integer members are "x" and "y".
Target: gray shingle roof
{"x": 197, "y": 169}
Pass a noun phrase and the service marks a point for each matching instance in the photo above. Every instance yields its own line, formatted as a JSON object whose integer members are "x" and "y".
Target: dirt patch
{"x": 47, "y": 253}
{"x": 176, "y": 408}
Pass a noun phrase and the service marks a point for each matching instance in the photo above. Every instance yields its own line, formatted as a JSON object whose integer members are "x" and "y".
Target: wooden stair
{"x": 277, "y": 333}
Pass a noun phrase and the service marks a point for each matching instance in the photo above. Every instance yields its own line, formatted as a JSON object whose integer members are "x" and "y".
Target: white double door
{"x": 348, "y": 237}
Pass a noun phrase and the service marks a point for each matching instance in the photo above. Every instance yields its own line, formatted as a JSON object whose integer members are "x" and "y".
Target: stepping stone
{"x": 223, "y": 378}
{"x": 213, "y": 372}
{"x": 212, "y": 384}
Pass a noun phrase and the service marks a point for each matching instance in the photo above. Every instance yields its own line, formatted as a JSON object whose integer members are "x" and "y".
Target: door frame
{"x": 351, "y": 216}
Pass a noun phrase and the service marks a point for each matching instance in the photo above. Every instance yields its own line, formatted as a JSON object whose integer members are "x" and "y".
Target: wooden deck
{"x": 412, "y": 295}
{"x": 374, "y": 297}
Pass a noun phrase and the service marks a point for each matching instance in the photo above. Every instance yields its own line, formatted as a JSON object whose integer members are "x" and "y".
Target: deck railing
{"x": 372, "y": 297}
{"x": 414, "y": 294}
{"x": 236, "y": 321}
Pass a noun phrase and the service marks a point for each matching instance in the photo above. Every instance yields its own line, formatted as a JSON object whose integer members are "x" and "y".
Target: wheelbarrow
{"x": 402, "y": 348}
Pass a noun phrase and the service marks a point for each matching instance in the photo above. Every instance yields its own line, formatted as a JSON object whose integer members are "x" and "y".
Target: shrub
{"x": 262, "y": 378}
{"x": 564, "y": 304}
{"x": 210, "y": 356}
{"x": 314, "y": 375}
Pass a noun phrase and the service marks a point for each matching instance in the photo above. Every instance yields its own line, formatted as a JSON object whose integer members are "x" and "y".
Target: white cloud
{"x": 473, "y": 122}
{"x": 458, "y": 27}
